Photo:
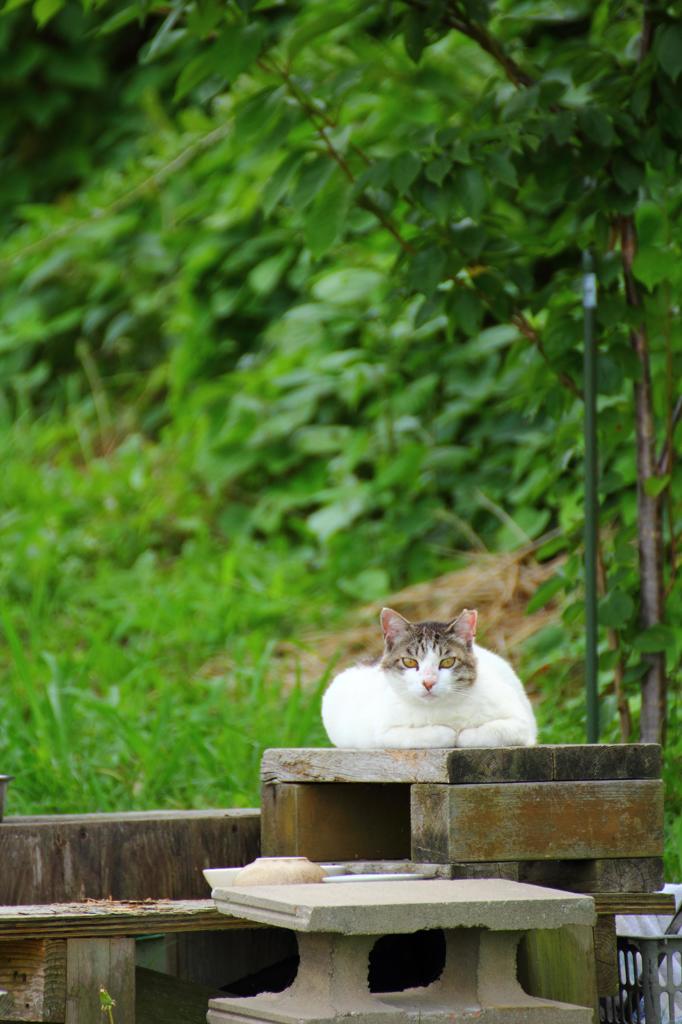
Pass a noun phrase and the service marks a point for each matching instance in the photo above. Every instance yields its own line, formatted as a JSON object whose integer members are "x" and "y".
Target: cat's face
{"x": 429, "y": 661}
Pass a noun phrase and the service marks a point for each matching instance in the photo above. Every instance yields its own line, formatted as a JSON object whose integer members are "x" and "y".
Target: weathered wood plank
{"x": 34, "y": 975}
{"x": 555, "y": 763}
{"x": 106, "y": 917}
{"x": 609, "y": 874}
{"x": 559, "y": 964}
{"x": 626, "y": 875}
{"x": 162, "y": 999}
{"x": 92, "y": 964}
{"x": 633, "y": 903}
{"x": 40, "y": 922}
{"x": 336, "y": 822}
{"x": 156, "y": 854}
{"x": 606, "y": 955}
{"x": 537, "y": 821}
{"x": 217, "y": 959}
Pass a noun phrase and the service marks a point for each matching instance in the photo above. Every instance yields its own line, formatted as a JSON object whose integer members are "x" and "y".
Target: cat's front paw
{"x": 406, "y": 737}
{"x": 437, "y": 736}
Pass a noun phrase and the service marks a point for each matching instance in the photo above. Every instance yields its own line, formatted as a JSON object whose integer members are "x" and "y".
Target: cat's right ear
{"x": 464, "y": 626}
{"x": 393, "y": 625}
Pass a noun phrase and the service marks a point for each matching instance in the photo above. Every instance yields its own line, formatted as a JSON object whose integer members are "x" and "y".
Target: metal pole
{"x": 591, "y": 500}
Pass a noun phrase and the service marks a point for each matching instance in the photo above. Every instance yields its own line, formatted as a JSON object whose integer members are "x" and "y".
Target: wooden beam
{"x": 132, "y": 856}
{"x": 555, "y": 763}
{"x": 34, "y": 974}
{"x": 105, "y": 917}
{"x": 537, "y": 821}
{"x": 336, "y": 822}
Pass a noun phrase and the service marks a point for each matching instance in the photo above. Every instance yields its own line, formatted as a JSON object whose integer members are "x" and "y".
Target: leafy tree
{"x": 375, "y": 258}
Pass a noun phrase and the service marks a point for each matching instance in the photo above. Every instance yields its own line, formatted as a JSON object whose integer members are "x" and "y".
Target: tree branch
{"x": 321, "y": 125}
{"x": 524, "y": 326}
{"x": 492, "y": 46}
{"x": 454, "y": 18}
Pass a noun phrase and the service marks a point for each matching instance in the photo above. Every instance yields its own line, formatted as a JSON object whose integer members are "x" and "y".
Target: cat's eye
{"x": 447, "y": 663}
{"x": 410, "y": 662}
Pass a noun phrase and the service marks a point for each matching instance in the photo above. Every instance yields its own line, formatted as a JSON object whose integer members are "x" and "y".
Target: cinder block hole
{"x": 397, "y": 962}
{"x": 274, "y": 977}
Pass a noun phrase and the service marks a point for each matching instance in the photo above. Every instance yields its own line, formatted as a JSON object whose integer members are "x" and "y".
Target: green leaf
{"x": 406, "y": 167}
{"x": 596, "y": 125}
{"x": 668, "y": 49}
{"x": 652, "y": 265}
{"x": 501, "y": 167}
{"x": 192, "y": 75}
{"x": 427, "y": 269}
{"x": 650, "y": 222}
{"x": 44, "y": 10}
{"x": 414, "y": 34}
{"x": 312, "y": 180}
{"x": 616, "y": 609}
{"x": 327, "y": 215}
{"x": 345, "y": 287}
{"x": 628, "y": 174}
{"x": 368, "y": 585}
{"x": 123, "y": 17}
{"x": 234, "y": 50}
{"x": 438, "y": 169}
{"x": 328, "y": 521}
{"x": 279, "y": 183}
{"x": 654, "y": 639}
{"x": 165, "y": 38}
{"x": 472, "y": 191}
{"x": 318, "y": 26}
{"x": 466, "y": 310}
{"x": 544, "y": 594}
{"x": 655, "y": 485}
{"x": 237, "y": 49}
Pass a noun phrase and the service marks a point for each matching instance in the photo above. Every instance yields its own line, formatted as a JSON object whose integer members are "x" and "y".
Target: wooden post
{"x": 92, "y": 964}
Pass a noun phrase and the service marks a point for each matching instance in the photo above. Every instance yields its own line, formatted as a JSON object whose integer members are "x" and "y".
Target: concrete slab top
{"x": 381, "y": 908}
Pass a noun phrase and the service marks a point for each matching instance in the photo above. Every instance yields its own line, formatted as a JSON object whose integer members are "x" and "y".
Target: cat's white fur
{"x": 368, "y": 707}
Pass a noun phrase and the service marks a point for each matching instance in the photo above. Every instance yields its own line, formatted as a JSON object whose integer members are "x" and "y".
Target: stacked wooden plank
{"x": 583, "y": 818}
{"x": 77, "y": 890}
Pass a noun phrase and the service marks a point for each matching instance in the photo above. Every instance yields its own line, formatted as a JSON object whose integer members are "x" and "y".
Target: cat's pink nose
{"x": 428, "y": 684}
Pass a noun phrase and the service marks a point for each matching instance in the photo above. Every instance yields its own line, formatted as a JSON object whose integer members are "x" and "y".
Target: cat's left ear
{"x": 393, "y": 625}
{"x": 464, "y": 626}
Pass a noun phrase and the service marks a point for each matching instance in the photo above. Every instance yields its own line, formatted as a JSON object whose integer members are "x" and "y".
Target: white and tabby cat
{"x": 432, "y": 687}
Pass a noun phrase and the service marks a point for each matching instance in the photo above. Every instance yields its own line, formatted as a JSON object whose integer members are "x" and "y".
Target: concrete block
{"x": 478, "y": 983}
{"x": 380, "y": 908}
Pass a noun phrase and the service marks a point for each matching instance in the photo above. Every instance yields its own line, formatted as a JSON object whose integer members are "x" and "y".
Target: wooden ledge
{"x": 101, "y": 918}
{"x": 550, "y": 763}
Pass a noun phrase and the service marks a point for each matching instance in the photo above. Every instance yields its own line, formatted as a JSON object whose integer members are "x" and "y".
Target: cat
{"x": 432, "y": 687}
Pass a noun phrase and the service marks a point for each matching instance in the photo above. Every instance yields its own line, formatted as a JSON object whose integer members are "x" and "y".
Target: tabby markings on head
{"x": 409, "y": 645}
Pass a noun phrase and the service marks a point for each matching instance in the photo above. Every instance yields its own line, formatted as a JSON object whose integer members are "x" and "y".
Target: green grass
{"x": 138, "y": 631}
{"x": 138, "y": 665}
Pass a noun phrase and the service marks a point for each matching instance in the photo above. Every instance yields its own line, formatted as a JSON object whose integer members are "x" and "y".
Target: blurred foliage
{"x": 323, "y": 259}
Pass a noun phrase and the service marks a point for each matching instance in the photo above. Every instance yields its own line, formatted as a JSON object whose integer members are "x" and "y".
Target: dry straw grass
{"x": 499, "y": 586}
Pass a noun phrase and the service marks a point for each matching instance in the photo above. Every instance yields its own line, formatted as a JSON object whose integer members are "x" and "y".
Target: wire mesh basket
{"x": 650, "y": 977}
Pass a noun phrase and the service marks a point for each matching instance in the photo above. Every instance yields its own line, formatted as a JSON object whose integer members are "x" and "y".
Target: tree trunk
{"x": 653, "y": 713}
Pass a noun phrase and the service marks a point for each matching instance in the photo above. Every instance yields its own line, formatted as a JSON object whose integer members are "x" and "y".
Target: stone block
{"x": 482, "y": 924}
{"x": 379, "y": 908}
